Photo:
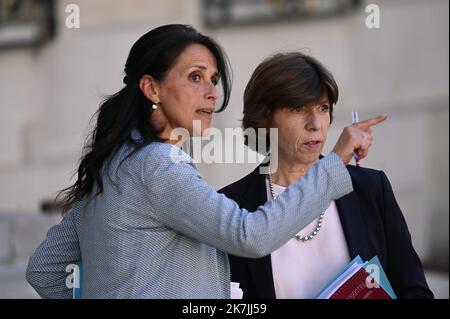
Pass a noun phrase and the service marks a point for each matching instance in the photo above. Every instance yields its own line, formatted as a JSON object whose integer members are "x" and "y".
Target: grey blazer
{"x": 159, "y": 230}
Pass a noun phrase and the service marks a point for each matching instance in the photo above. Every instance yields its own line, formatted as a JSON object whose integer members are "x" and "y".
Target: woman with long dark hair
{"x": 146, "y": 226}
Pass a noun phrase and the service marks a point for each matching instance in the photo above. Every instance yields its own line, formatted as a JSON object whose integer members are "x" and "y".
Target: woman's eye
{"x": 215, "y": 81}
{"x": 297, "y": 109}
{"x": 195, "y": 77}
{"x": 324, "y": 108}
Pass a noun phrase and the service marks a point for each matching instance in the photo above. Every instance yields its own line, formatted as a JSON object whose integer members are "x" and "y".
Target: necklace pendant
{"x": 297, "y": 236}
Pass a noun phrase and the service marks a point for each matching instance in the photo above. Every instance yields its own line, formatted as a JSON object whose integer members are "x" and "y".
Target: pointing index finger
{"x": 371, "y": 122}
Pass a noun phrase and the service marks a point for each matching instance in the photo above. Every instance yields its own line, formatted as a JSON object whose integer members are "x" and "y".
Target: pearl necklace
{"x": 299, "y": 237}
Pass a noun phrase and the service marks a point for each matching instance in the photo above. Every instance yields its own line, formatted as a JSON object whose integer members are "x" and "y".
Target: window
{"x": 26, "y": 23}
{"x": 219, "y": 13}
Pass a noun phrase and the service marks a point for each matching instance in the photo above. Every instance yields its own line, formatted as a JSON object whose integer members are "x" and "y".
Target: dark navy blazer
{"x": 373, "y": 224}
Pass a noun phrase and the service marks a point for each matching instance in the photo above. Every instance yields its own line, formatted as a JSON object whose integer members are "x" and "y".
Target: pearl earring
{"x": 154, "y": 106}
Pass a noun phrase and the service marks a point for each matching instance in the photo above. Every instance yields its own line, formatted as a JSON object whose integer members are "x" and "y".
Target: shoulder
{"x": 367, "y": 179}
{"x": 160, "y": 155}
{"x": 363, "y": 173}
{"x": 164, "y": 152}
{"x": 156, "y": 159}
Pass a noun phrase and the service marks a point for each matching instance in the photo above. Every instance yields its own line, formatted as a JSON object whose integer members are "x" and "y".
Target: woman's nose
{"x": 212, "y": 92}
{"x": 313, "y": 122}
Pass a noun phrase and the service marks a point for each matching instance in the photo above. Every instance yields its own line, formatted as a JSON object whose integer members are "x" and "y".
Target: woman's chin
{"x": 205, "y": 132}
{"x": 206, "y": 129}
{"x": 307, "y": 159}
{"x": 201, "y": 127}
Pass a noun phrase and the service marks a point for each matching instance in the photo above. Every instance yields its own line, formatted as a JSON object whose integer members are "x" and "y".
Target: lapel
{"x": 351, "y": 216}
{"x": 255, "y": 195}
{"x": 260, "y": 268}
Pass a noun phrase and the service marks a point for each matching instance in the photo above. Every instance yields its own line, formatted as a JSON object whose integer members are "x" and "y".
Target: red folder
{"x": 360, "y": 286}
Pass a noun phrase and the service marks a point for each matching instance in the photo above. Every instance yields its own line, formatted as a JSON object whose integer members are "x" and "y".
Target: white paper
{"x": 236, "y": 292}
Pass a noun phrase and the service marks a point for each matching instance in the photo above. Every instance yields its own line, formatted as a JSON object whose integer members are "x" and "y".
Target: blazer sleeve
{"x": 46, "y": 271}
{"x": 404, "y": 266}
{"x": 180, "y": 199}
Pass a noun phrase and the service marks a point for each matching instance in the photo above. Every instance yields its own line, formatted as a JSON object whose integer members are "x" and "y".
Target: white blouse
{"x": 302, "y": 269}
